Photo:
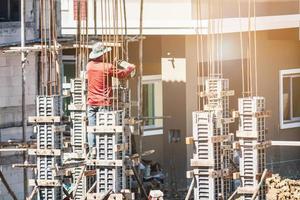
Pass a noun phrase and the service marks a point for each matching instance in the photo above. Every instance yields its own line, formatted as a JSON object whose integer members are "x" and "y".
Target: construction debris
{"x": 282, "y": 189}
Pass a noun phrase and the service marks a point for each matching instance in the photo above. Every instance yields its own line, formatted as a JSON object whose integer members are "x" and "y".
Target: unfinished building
{"x": 211, "y": 112}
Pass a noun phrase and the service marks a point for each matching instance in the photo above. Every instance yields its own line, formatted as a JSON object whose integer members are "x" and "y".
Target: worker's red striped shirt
{"x": 100, "y": 83}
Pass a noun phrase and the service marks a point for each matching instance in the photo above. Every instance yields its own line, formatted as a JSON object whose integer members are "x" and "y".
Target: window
{"x": 289, "y": 87}
{"x": 10, "y": 10}
{"x": 68, "y": 73}
{"x": 152, "y": 104}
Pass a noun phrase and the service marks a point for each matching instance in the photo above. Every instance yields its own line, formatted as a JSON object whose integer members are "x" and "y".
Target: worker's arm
{"x": 120, "y": 73}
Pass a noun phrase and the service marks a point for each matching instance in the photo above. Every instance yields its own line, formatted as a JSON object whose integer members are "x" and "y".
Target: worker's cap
{"x": 98, "y": 50}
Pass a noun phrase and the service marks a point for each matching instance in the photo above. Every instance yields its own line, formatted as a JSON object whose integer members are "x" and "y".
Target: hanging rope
{"x": 198, "y": 60}
{"x": 255, "y": 48}
{"x": 242, "y": 50}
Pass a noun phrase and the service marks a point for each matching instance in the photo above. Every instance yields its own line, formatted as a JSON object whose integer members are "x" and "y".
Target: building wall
{"x": 263, "y": 8}
{"x": 11, "y": 89}
{"x": 177, "y": 17}
{"x": 10, "y": 32}
{"x": 10, "y": 95}
{"x": 276, "y": 50}
{"x": 169, "y": 155}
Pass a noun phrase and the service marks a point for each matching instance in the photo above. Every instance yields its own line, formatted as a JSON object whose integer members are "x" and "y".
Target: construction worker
{"x": 99, "y": 74}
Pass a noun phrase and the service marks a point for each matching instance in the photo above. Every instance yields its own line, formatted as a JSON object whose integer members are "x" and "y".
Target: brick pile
{"x": 282, "y": 189}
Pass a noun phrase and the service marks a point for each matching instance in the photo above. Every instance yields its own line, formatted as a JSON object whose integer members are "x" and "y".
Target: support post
{"x": 23, "y": 62}
{"x": 259, "y": 184}
{"x": 190, "y": 189}
{"x": 140, "y": 86}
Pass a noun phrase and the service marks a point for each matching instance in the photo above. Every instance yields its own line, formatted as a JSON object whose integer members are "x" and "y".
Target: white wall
{"x": 159, "y": 16}
{"x": 11, "y": 87}
{"x": 175, "y": 17}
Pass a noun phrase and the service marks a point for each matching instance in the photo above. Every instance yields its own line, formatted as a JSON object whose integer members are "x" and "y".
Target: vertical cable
{"x": 255, "y": 47}
{"x": 202, "y": 49}
{"x": 242, "y": 51}
{"x": 198, "y": 60}
{"x": 222, "y": 22}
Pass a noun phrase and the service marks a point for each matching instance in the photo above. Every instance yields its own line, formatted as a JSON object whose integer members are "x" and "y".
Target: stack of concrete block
{"x": 282, "y": 189}
{"x": 211, "y": 138}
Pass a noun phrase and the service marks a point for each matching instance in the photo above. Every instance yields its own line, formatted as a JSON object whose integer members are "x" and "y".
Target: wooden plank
{"x": 236, "y": 175}
{"x": 219, "y": 173}
{"x": 129, "y": 172}
{"x": 74, "y": 156}
{"x": 221, "y": 94}
{"x": 189, "y": 140}
{"x": 93, "y": 196}
{"x": 259, "y": 184}
{"x": 190, "y": 190}
{"x": 34, "y": 191}
{"x": 44, "y": 183}
{"x": 262, "y": 114}
{"x": 90, "y": 173}
{"x": 59, "y": 129}
{"x": 133, "y": 121}
{"x": 78, "y": 181}
{"x": 227, "y": 120}
{"x": 202, "y": 163}
{"x": 105, "y": 129}
{"x": 24, "y": 165}
{"x": 263, "y": 145}
{"x": 108, "y": 44}
{"x": 77, "y": 107}
{"x": 235, "y": 114}
{"x": 16, "y": 149}
{"x": 43, "y": 119}
{"x": 286, "y": 143}
{"x": 246, "y": 190}
{"x": 44, "y": 152}
{"x": 109, "y": 163}
{"x": 190, "y": 174}
{"x": 236, "y": 145}
{"x": 221, "y": 138}
{"x": 72, "y": 165}
{"x": 121, "y": 147}
{"x": 247, "y": 134}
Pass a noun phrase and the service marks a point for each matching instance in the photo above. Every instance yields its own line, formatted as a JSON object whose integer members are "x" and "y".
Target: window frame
{"x": 9, "y": 13}
{"x": 153, "y": 129}
{"x": 295, "y": 121}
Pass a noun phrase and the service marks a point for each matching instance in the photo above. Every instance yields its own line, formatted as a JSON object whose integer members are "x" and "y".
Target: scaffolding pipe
{"x": 286, "y": 143}
{"x": 2, "y": 178}
{"x": 188, "y": 195}
{"x": 23, "y": 62}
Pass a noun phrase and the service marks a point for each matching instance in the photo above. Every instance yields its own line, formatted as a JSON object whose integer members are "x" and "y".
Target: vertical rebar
{"x": 23, "y": 62}
{"x": 140, "y": 77}
{"x": 140, "y": 85}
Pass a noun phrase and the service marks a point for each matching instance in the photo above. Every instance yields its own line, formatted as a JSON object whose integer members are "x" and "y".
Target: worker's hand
{"x": 131, "y": 67}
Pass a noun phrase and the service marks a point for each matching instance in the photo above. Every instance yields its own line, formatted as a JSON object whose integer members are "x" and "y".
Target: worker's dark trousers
{"x": 92, "y": 110}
